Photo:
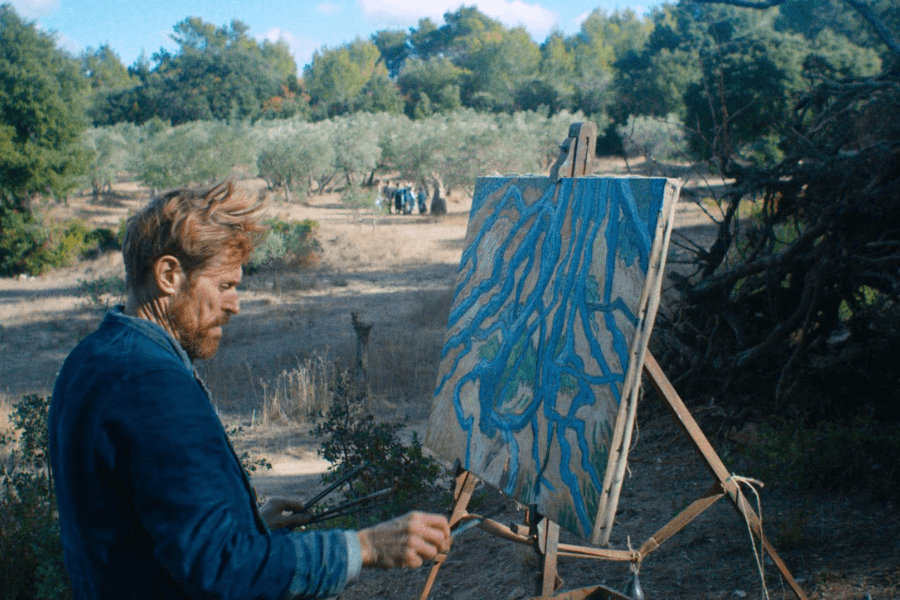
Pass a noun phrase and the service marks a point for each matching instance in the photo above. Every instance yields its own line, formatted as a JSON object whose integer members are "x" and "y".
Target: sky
{"x": 130, "y": 27}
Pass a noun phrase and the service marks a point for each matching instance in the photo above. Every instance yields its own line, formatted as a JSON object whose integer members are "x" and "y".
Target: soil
{"x": 397, "y": 273}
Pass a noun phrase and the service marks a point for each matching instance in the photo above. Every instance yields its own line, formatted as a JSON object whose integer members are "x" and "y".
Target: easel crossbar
{"x": 545, "y": 537}
{"x": 724, "y": 481}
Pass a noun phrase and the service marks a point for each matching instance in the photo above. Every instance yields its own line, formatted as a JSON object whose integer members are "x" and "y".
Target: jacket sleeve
{"x": 190, "y": 494}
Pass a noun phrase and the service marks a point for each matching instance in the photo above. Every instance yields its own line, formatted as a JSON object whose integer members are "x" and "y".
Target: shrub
{"x": 20, "y": 237}
{"x": 31, "y": 244}
{"x": 103, "y": 291}
{"x": 33, "y": 247}
{"x": 659, "y": 139}
{"x": 32, "y": 565}
{"x": 358, "y": 198}
{"x": 860, "y": 454}
{"x": 350, "y": 436}
{"x": 291, "y": 243}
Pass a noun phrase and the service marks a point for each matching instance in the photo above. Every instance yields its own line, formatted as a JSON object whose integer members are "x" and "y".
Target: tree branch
{"x": 865, "y": 11}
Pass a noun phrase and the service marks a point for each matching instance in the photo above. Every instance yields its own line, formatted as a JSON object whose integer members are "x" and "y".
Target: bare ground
{"x": 397, "y": 273}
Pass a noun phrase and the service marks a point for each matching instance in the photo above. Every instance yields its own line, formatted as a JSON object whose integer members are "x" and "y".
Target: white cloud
{"x": 580, "y": 19}
{"x": 68, "y": 44}
{"x": 535, "y": 18}
{"x": 301, "y": 47}
{"x": 538, "y": 20}
{"x": 33, "y": 9}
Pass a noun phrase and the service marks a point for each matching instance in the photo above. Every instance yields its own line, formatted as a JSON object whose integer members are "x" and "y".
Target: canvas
{"x": 556, "y": 294}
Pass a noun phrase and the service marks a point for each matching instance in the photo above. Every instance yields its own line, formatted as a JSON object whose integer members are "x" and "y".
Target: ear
{"x": 168, "y": 274}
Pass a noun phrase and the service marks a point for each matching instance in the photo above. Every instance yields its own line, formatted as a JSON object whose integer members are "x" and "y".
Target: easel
{"x": 543, "y": 534}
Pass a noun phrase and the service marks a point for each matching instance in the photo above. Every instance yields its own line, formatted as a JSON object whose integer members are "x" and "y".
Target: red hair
{"x": 196, "y": 226}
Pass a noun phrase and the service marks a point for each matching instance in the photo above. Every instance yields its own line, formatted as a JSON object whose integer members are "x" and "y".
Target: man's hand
{"x": 283, "y": 512}
{"x": 406, "y": 541}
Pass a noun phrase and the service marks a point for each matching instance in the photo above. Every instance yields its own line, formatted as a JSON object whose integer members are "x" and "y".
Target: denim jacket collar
{"x": 155, "y": 332}
{"x": 158, "y": 334}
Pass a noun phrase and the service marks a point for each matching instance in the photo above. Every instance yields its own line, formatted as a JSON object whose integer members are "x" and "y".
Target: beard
{"x": 198, "y": 339}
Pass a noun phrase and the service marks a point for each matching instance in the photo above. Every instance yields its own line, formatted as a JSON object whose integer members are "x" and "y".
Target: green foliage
{"x": 359, "y": 198}
{"x": 355, "y": 144}
{"x": 858, "y": 454}
{"x": 350, "y": 437}
{"x": 217, "y": 73}
{"x": 291, "y": 243}
{"x": 836, "y": 17}
{"x": 601, "y": 42}
{"x": 106, "y": 75}
{"x": 654, "y": 138}
{"x": 110, "y": 156}
{"x": 498, "y": 68}
{"x": 32, "y": 565}
{"x": 30, "y": 244}
{"x": 42, "y": 112}
{"x": 20, "y": 237}
{"x": 103, "y": 291}
{"x": 346, "y": 78}
{"x": 732, "y": 75}
{"x": 430, "y": 86}
{"x": 201, "y": 152}
{"x": 295, "y": 155}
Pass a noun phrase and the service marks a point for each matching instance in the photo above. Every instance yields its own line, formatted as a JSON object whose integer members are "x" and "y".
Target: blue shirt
{"x": 153, "y": 502}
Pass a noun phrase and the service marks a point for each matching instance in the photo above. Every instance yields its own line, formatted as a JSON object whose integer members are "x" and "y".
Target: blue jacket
{"x": 153, "y": 502}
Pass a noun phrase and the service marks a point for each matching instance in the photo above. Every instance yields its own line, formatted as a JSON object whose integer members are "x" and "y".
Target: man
{"x": 153, "y": 502}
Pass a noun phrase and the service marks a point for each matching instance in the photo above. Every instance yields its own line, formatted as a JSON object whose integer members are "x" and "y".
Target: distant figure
{"x": 398, "y": 201}
{"x": 438, "y": 204}
{"x": 409, "y": 201}
{"x": 421, "y": 198}
{"x": 388, "y": 195}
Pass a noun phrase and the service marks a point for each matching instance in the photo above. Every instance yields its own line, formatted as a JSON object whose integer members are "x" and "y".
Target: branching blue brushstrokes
{"x": 531, "y": 332}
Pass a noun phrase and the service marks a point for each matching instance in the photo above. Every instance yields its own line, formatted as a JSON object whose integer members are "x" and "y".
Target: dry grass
{"x": 301, "y": 394}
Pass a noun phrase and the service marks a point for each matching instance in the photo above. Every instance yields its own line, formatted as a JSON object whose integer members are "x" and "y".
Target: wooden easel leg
{"x": 465, "y": 485}
{"x": 686, "y": 421}
{"x": 547, "y": 548}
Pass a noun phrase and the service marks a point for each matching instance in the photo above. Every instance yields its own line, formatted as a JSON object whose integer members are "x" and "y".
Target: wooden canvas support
{"x": 725, "y": 484}
{"x": 543, "y": 534}
{"x": 576, "y": 152}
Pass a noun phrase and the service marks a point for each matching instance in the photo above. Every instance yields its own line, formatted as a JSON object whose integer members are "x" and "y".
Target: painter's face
{"x": 203, "y": 306}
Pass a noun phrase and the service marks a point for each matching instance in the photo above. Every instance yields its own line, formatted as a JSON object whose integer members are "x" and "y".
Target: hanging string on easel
{"x": 752, "y": 484}
{"x": 634, "y": 589}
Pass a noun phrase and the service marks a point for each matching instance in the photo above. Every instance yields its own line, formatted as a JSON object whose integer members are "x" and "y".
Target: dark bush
{"x": 32, "y": 564}
{"x": 351, "y": 437}
{"x": 858, "y": 454}
{"x": 289, "y": 243}
{"x": 31, "y": 245}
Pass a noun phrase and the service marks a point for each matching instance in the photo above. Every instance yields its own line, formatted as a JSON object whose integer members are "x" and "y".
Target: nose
{"x": 232, "y": 303}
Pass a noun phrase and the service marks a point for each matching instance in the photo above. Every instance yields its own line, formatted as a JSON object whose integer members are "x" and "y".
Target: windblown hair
{"x": 193, "y": 225}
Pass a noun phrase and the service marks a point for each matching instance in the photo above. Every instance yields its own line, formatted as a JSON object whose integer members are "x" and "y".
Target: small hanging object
{"x": 634, "y": 589}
